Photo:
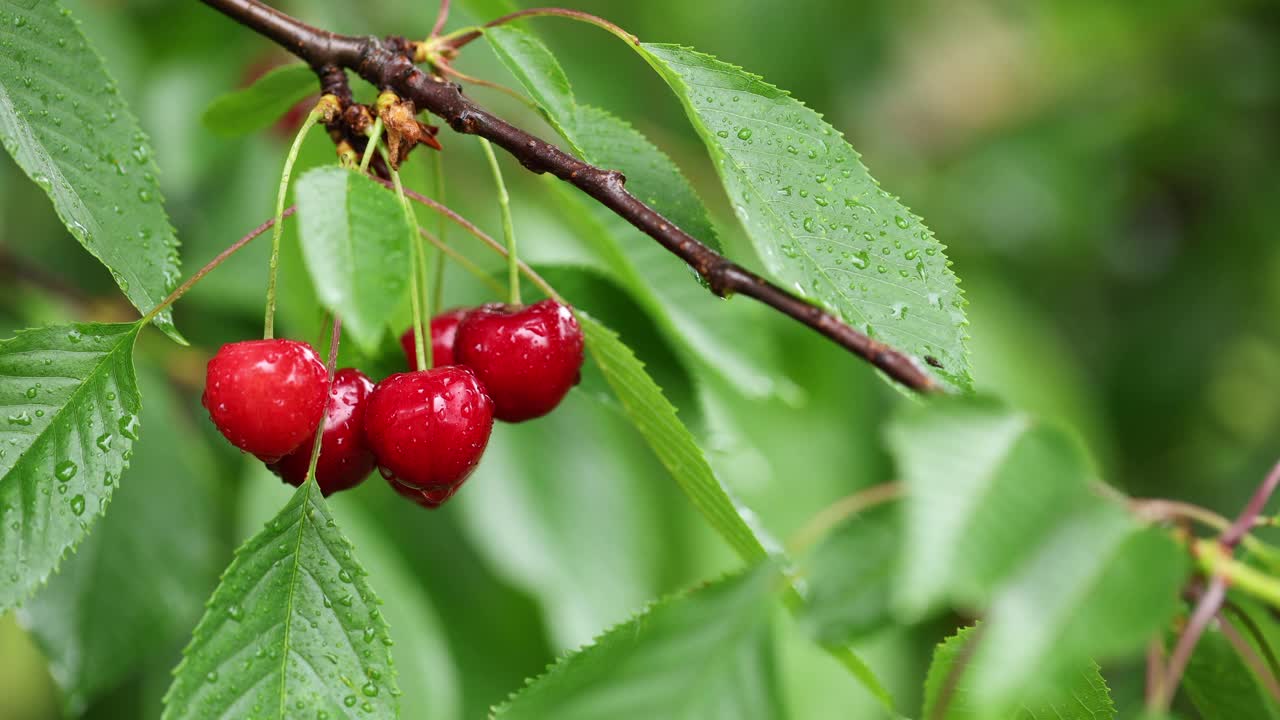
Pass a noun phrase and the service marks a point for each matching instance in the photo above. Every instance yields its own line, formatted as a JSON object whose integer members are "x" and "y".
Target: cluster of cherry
{"x": 424, "y": 430}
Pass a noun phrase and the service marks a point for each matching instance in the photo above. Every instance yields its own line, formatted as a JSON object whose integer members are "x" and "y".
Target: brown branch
{"x": 384, "y": 64}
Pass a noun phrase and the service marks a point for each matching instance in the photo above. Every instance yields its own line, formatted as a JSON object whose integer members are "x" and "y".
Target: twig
{"x": 382, "y": 63}
{"x": 1206, "y": 609}
{"x": 1257, "y": 503}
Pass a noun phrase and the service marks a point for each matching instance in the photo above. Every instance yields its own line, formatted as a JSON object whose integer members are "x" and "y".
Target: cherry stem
{"x": 508, "y": 227}
{"x": 464, "y": 261}
{"x": 324, "y": 417}
{"x": 375, "y": 135}
{"x": 441, "y": 18}
{"x": 1253, "y": 510}
{"x": 452, "y": 72}
{"x": 479, "y": 234}
{"x": 464, "y": 37}
{"x": 841, "y": 510}
{"x": 269, "y": 322}
{"x": 437, "y": 298}
{"x": 417, "y": 297}
{"x": 215, "y": 262}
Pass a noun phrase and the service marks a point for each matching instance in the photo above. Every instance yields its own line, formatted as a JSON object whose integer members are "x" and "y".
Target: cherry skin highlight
{"x": 266, "y": 396}
{"x": 527, "y": 358}
{"x": 444, "y": 328}
{"x": 428, "y": 429}
{"x": 345, "y": 460}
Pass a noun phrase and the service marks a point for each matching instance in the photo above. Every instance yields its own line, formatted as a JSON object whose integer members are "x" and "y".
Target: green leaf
{"x": 983, "y": 486}
{"x": 600, "y": 138}
{"x": 293, "y": 630}
{"x": 1001, "y": 513}
{"x": 421, "y": 649}
{"x": 69, "y": 403}
{"x": 64, "y": 122}
{"x": 1222, "y": 686}
{"x": 262, "y": 103}
{"x": 1090, "y": 697}
{"x": 1098, "y": 589}
{"x": 849, "y": 577}
{"x": 156, "y": 588}
{"x": 706, "y": 654}
{"x": 819, "y": 220}
{"x": 575, "y": 530}
{"x": 655, "y": 418}
{"x": 355, "y": 241}
{"x": 695, "y": 320}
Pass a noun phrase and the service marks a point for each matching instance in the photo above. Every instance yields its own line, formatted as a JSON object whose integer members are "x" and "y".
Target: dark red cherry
{"x": 527, "y": 358}
{"x": 444, "y": 328}
{"x": 429, "y": 429}
{"x": 266, "y": 396}
{"x": 429, "y": 499}
{"x": 345, "y": 461}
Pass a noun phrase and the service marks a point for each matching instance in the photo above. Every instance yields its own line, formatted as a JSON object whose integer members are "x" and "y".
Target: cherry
{"x": 528, "y": 358}
{"x": 429, "y": 499}
{"x": 429, "y": 428}
{"x": 266, "y": 396}
{"x": 345, "y": 460}
{"x": 444, "y": 327}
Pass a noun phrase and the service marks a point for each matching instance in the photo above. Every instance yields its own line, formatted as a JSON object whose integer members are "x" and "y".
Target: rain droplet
{"x": 129, "y": 426}
{"x": 744, "y": 134}
{"x": 65, "y": 470}
{"x": 104, "y": 441}
{"x": 22, "y": 418}
{"x": 77, "y": 505}
{"x": 235, "y": 612}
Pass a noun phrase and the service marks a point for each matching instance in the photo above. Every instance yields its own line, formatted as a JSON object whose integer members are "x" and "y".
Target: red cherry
{"x": 527, "y": 358}
{"x": 266, "y": 396}
{"x": 345, "y": 461}
{"x": 444, "y": 327}
{"x": 429, "y": 499}
{"x": 429, "y": 429}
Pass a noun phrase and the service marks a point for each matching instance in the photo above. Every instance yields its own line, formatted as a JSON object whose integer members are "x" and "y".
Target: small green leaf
{"x": 820, "y": 221}
{"x": 1090, "y": 697}
{"x": 69, "y": 407}
{"x": 706, "y": 654}
{"x": 355, "y": 241}
{"x": 655, "y": 418}
{"x": 696, "y": 321}
{"x": 1001, "y": 513}
{"x": 983, "y": 486}
{"x": 1222, "y": 686}
{"x": 849, "y": 577}
{"x": 1098, "y": 589}
{"x": 262, "y": 103}
{"x": 156, "y": 587}
{"x": 293, "y": 630}
{"x": 64, "y": 122}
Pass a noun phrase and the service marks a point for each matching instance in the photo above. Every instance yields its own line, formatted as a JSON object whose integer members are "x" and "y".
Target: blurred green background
{"x": 1105, "y": 174}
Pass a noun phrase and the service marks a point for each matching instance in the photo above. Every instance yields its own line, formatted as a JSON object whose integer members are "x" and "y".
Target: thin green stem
{"x": 215, "y": 262}
{"x": 467, "y": 263}
{"x": 417, "y": 298}
{"x": 374, "y": 137}
{"x": 483, "y": 237}
{"x": 1215, "y": 560}
{"x": 324, "y": 417}
{"x": 268, "y": 325}
{"x": 438, "y": 286}
{"x": 508, "y": 228}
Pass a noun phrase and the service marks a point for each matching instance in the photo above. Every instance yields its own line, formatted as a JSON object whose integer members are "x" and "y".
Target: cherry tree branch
{"x": 383, "y": 63}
